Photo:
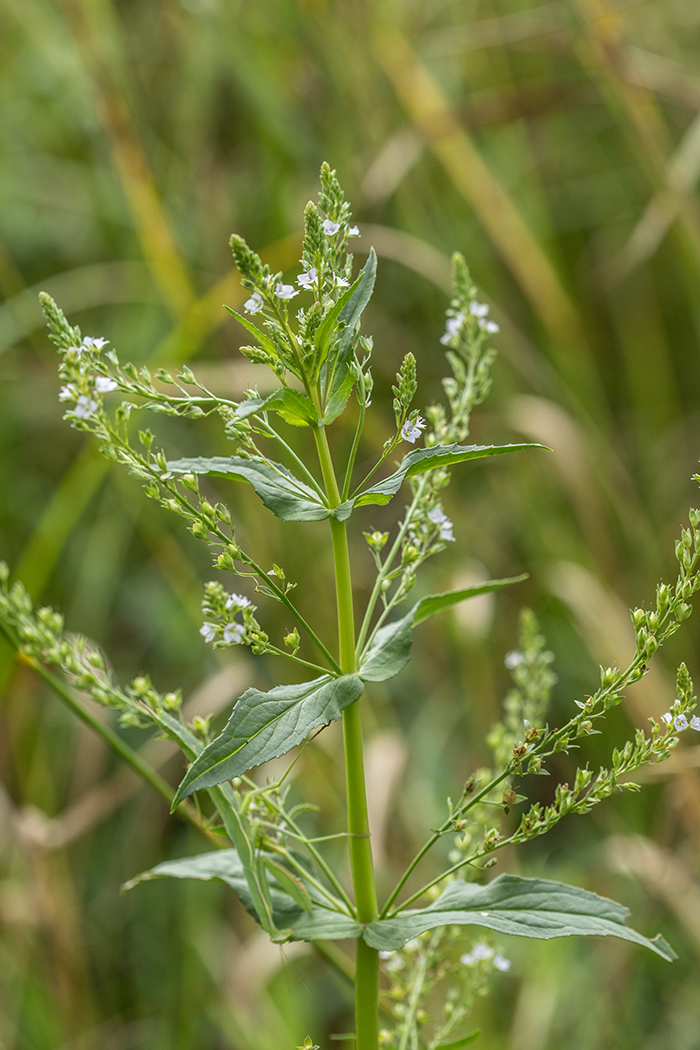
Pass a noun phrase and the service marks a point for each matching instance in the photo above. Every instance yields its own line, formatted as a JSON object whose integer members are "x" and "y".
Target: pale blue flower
{"x": 253, "y": 305}
{"x": 695, "y": 723}
{"x": 341, "y": 282}
{"x": 330, "y": 228}
{"x": 354, "y": 231}
{"x": 411, "y": 431}
{"x": 308, "y": 278}
{"x": 446, "y": 532}
{"x": 477, "y": 309}
{"x": 208, "y": 631}
{"x": 513, "y": 660}
{"x": 680, "y": 722}
{"x": 452, "y": 327}
{"x": 67, "y": 393}
{"x": 85, "y": 407}
{"x": 94, "y": 344}
{"x": 437, "y": 516}
{"x": 285, "y": 291}
{"x": 233, "y": 633}
{"x": 501, "y": 963}
{"x": 238, "y": 600}
{"x": 103, "y": 384}
{"x": 490, "y": 326}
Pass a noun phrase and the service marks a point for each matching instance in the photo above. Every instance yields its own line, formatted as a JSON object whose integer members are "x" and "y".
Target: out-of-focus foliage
{"x": 558, "y": 147}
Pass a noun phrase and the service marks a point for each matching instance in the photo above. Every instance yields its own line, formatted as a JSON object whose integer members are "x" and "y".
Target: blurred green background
{"x": 557, "y": 145}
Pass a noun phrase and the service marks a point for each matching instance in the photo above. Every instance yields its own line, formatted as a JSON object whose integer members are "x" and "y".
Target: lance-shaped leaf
{"x": 510, "y": 904}
{"x": 337, "y": 377}
{"x": 391, "y": 645}
{"x": 317, "y": 923}
{"x": 417, "y": 462}
{"x": 264, "y": 340}
{"x": 283, "y": 493}
{"x": 265, "y": 725}
{"x": 293, "y": 406}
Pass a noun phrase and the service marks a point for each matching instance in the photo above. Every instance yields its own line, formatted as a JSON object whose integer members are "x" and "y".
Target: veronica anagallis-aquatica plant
{"x": 323, "y": 364}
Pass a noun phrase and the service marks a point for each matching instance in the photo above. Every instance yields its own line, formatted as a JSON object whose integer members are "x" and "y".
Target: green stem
{"x": 367, "y": 959}
{"x": 112, "y": 739}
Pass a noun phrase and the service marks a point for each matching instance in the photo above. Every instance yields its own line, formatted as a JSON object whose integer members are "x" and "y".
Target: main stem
{"x": 367, "y": 962}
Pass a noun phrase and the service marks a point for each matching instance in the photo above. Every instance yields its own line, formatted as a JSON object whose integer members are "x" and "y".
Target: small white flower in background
{"x": 341, "y": 282}
{"x": 501, "y": 963}
{"x": 394, "y": 964}
{"x": 680, "y": 722}
{"x": 233, "y": 632}
{"x": 437, "y": 516}
{"x": 67, "y": 393}
{"x": 329, "y": 228}
{"x": 513, "y": 659}
{"x": 103, "y": 384}
{"x": 413, "y": 945}
{"x": 253, "y": 305}
{"x": 353, "y": 231}
{"x": 386, "y": 955}
{"x": 308, "y": 278}
{"x": 208, "y": 632}
{"x": 238, "y": 600}
{"x": 667, "y": 718}
{"x": 479, "y": 953}
{"x": 93, "y": 344}
{"x": 446, "y": 532}
{"x": 84, "y": 407}
{"x": 285, "y": 291}
{"x": 695, "y": 723}
{"x": 411, "y": 431}
{"x": 489, "y": 326}
{"x": 452, "y": 327}
{"x": 477, "y": 309}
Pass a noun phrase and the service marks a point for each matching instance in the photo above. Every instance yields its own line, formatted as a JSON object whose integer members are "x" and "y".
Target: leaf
{"x": 292, "y": 886}
{"x": 320, "y": 923}
{"x": 265, "y": 725}
{"x": 391, "y": 645}
{"x": 417, "y": 462}
{"x": 457, "y": 1044}
{"x": 280, "y": 491}
{"x": 342, "y": 379}
{"x": 292, "y": 405}
{"x": 536, "y": 908}
{"x": 263, "y": 339}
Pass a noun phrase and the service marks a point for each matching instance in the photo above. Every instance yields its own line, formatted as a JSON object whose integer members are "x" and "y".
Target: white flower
{"x": 667, "y": 718}
{"x": 233, "y": 633}
{"x": 479, "y": 953}
{"x": 386, "y": 955}
{"x": 437, "y": 516}
{"x": 341, "y": 282}
{"x": 477, "y": 309}
{"x": 208, "y": 632}
{"x": 695, "y": 723}
{"x": 489, "y": 326}
{"x": 253, "y": 305}
{"x": 513, "y": 659}
{"x": 452, "y": 327}
{"x": 84, "y": 407}
{"x": 410, "y": 431}
{"x": 308, "y": 278}
{"x": 77, "y": 350}
{"x": 396, "y": 963}
{"x": 329, "y": 228}
{"x": 93, "y": 344}
{"x": 353, "y": 231}
{"x": 680, "y": 722}
{"x": 285, "y": 291}
{"x": 67, "y": 393}
{"x": 413, "y": 945}
{"x": 237, "y": 599}
{"x": 446, "y": 532}
{"x": 501, "y": 963}
{"x": 103, "y": 384}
